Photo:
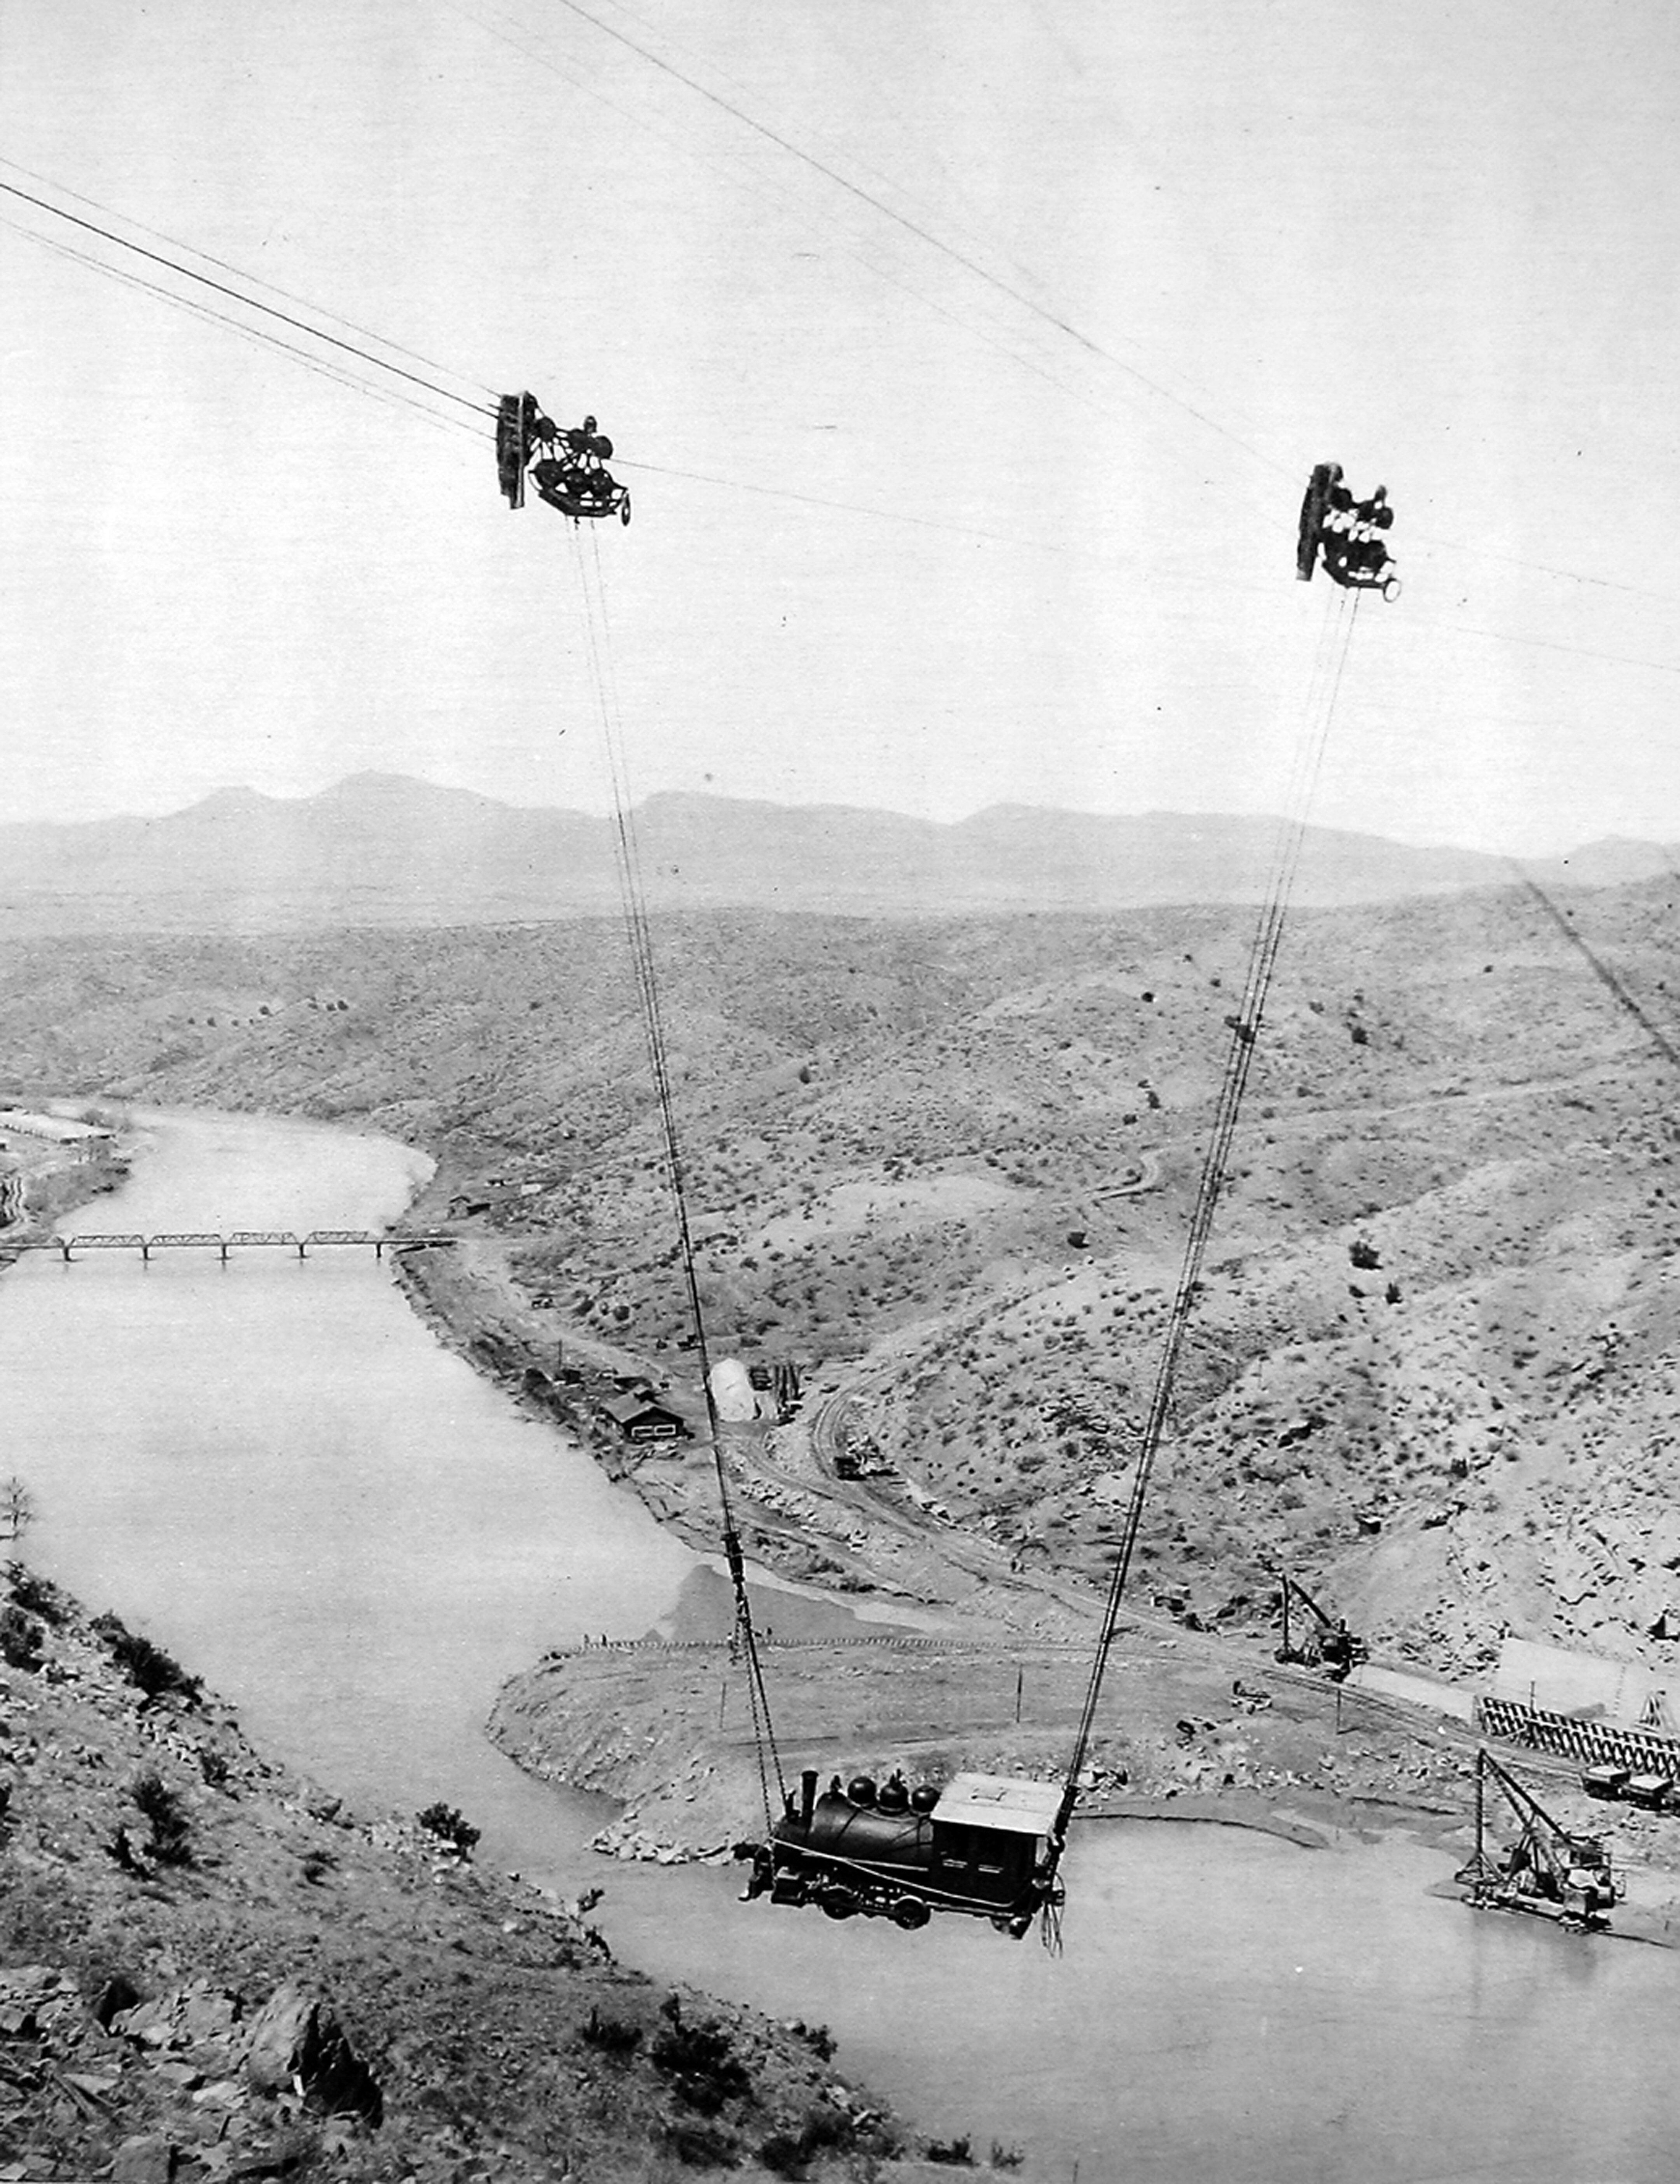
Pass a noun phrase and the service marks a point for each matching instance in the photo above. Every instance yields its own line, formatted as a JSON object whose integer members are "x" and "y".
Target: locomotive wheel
{"x": 910, "y": 1913}
{"x": 840, "y": 1903}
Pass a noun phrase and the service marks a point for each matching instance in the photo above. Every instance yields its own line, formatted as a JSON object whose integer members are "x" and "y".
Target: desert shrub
{"x": 1005, "y": 2157}
{"x": 783, "y": 2154}
{"x": 146, "y": 1665}
{"x": 20, "y": 1639}
{"x": 449, "y": 1827}
{"x": 953, "y": 2152}
{"x": 1363, "y": 1255}
{"x": 701, "y": 2146}
{"x": 817, "y": 2037}
{"x": 610, "y": 2036}
{"x": 697, "y": 2059}
{"x": 36, "y": 1595}
{"x": 119, "y": 1848}
{"x": 788, "y": 2153}
{"x": 165, "y": 1815}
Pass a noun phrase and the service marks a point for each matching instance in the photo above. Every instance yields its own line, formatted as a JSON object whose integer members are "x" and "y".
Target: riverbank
{"x": 795, "y": 1517}
{"x": 210, "y": 1968}
{"x": 41, "y": 1180}
{"x": 665, "y": 1730}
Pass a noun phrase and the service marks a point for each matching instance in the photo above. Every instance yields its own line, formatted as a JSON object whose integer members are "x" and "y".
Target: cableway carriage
{"x": 566, "y": 463}
{"x": 1344, "y": 537}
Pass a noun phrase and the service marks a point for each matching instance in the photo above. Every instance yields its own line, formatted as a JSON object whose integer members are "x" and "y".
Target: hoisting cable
{"x": 638, "y": 933}
{"x": 1323, "y": 689}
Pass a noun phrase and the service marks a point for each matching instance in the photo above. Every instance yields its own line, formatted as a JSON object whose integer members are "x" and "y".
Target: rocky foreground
{"x": 210, "y": 1970}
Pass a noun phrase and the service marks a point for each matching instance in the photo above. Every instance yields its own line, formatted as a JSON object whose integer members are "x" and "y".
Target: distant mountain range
{"x": 381, "y": 849}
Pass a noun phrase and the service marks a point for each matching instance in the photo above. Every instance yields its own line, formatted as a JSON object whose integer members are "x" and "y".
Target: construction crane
{"x": 1549, "y": 1871}
{"x": 1325, "y": 1642}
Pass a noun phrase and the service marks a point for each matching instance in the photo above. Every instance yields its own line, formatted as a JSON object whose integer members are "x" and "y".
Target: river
{"x": 273, "y": 1469}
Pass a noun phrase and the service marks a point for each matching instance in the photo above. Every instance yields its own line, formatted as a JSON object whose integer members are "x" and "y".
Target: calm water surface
{"x": 274, "y": 1470}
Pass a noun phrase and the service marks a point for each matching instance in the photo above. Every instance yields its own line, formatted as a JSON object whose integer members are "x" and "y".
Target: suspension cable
{"x": 330, "y": 368}
{"x": 251, "y": 303}
{"x": 639, "y": 936}
{"x": 1323, "y": 689}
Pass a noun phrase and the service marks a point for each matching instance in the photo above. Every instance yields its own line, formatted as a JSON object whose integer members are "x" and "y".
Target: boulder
{"x": 298, "y": 2043}
{"x": 146, "y": 2160}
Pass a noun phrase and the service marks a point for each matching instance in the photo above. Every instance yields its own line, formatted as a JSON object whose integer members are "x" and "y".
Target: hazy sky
{"x": 1009, "y": 329}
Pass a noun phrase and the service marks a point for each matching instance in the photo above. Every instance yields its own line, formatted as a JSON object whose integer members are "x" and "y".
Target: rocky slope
{"x": 210, "y": 1970}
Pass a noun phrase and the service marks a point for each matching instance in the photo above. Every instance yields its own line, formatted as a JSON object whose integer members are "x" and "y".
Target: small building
{"x": 85, "y": 1139}
{"x": 640, "y": 1417}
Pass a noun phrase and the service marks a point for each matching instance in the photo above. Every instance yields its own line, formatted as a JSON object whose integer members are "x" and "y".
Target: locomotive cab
{"x": 981, "y": 1845}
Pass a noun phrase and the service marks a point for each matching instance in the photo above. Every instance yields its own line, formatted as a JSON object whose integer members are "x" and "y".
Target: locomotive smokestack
{"x": 807, "y": 1796}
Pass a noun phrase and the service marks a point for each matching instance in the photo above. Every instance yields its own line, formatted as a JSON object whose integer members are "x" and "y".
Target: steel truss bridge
{"x": 378, "y": 1240}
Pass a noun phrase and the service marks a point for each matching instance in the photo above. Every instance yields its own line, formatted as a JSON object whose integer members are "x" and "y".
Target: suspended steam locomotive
{"x": 984, "y": 1844}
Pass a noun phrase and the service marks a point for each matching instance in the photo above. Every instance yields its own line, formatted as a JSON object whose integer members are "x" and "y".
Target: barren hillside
{"x": 1435, "y": 1366}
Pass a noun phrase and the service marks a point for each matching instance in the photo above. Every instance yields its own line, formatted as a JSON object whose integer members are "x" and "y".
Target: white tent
{"x": 732, "y": 1391}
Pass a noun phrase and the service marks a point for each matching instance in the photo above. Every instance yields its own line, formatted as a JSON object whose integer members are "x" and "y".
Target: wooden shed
{"x": 641, "y": 1416}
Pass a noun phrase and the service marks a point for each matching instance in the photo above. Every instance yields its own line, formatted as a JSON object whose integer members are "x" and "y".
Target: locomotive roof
{"x": 999, "y": 1801}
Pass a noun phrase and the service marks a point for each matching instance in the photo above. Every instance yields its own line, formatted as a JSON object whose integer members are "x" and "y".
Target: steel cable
{"x": 639, "y": 937}
{"x": 1324, "y": 688}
